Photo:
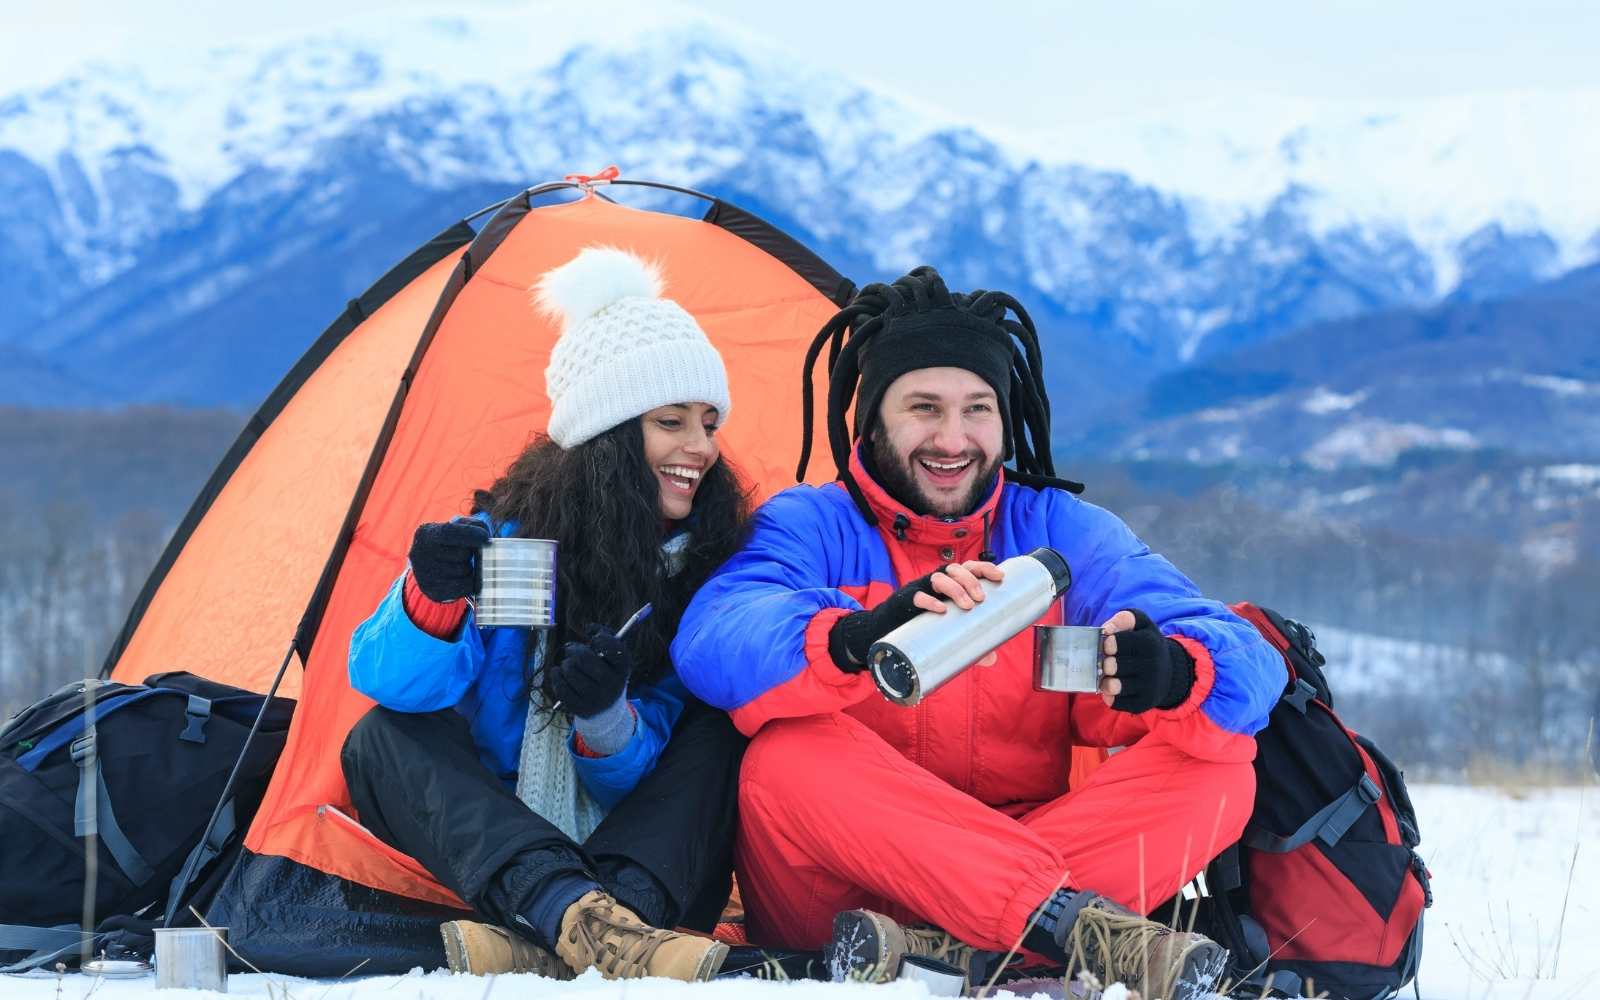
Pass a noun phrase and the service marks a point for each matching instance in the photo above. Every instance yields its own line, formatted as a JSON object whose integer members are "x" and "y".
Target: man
{"x": 863, "y": 822}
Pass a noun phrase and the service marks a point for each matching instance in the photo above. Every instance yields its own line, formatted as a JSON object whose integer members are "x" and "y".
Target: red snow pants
{"x": 832, "y": 817}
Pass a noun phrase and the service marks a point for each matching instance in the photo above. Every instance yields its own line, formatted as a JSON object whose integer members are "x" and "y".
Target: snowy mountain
{"x": 1517, "y": 374}
{"x": 180, "y": 227}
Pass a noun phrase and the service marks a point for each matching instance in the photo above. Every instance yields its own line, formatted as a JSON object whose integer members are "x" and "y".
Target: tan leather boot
{"x": 866, "y": 947}
{"x": 1118, "y": 945}
{"x": 599, "y": 932}
{"x": 869, "y": 947}
{"x": 484, "y": 949}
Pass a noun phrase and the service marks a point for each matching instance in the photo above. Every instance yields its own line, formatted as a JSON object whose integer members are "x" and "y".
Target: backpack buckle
{"x": 1300, "y": 697}
{"x": 1369, "y": 790}
{"x": 196, "y": 714}
{"x": 82, "y": 749}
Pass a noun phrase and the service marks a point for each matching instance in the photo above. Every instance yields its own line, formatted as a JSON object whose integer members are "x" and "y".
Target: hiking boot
{"x": 1093, "y": 934}
{"x": 868, "y": 947}
{"x": 484, "y": 950}
{"x": 600, "y": 932}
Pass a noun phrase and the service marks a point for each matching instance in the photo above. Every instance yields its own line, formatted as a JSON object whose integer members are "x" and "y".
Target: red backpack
{"x": 1324, "y": 892}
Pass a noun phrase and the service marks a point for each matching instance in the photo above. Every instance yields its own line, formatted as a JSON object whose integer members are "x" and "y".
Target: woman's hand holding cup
{"x": 444, "y": 558}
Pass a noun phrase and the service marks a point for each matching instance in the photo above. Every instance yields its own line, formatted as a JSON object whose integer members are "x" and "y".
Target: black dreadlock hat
{"x": 918, "y": 323}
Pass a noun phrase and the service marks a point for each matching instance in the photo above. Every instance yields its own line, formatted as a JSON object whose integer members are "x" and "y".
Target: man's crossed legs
{"x": 833, "y": 819}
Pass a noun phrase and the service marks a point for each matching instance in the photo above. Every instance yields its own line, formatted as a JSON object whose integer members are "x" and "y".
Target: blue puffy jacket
{"x": 754, "y": 639}
{"x": 480, "y": 675}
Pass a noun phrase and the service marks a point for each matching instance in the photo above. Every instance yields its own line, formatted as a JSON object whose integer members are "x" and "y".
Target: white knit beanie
{"x": 623, "y": 350}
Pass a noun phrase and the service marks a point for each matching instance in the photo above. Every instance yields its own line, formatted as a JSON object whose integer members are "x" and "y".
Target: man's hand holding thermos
{"x": 855, "y": 633}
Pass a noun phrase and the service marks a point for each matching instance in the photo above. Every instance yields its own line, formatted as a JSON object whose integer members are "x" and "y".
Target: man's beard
{"x": 899, "y": 479}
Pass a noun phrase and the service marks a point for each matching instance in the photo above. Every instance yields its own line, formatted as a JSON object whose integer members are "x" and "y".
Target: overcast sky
{"x": 1009, "y": 62}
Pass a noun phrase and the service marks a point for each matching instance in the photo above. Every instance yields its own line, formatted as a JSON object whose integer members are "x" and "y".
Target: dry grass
{"x": 1518, "y": 781}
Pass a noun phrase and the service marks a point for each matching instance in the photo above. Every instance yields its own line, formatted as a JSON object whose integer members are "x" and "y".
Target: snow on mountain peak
{"x": 208, "y": 118}
{"x": 1176, "y": 233}
{"x": 1440, "y": 168}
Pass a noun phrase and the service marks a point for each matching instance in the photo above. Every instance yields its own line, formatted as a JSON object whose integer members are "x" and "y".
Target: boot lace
{"x": 614, "y": 944}
{"x": 1118, "y": 947}
{"x": 931, "y": 942}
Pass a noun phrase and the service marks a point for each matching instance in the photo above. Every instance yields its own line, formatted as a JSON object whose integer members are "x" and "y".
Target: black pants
{"x": 417, "y": 784}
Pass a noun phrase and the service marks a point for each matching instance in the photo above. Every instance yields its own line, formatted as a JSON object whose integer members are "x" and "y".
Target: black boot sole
{"x": 859, "y": 951}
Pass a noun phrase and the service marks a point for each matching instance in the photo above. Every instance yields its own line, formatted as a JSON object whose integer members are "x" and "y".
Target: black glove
{"x": 591, "y": 675}
{"x": 1155, "y": 670}
{"x": 855, "y": 633}
{"x": 444, "y": 558}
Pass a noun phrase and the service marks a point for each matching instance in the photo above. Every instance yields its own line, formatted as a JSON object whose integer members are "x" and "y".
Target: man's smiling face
{"x": 938, "y": 440}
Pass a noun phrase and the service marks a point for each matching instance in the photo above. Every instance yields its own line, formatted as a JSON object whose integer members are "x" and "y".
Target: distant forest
{"x": 88, "y": 499}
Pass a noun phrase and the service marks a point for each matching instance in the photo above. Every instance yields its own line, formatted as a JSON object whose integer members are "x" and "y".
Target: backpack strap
{"x": 1330, "y": 823}
{"x": 46, "y": 945}
{"x": 1227, "y": 869}
{"x": 204, "y": 852}
{"x": 92, "y": 783}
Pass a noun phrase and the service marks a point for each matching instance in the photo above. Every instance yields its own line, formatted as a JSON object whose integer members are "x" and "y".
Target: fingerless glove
{"x": 855, "y": 633}
{"x": 1155, "y": 670}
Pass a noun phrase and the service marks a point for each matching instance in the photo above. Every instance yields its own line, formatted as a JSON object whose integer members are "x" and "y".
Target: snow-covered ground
{"x": 1517, "y": 903}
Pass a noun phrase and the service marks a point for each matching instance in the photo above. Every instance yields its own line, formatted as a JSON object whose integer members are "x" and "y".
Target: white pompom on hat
{"x": 623, "y": 350}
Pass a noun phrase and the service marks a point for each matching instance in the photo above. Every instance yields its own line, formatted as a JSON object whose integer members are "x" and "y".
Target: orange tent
{"x": 424, "y": 388}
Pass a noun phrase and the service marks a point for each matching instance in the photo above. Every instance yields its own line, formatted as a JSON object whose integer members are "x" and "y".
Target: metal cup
{"x": 940, "y": 978}
{"x": 192, "y": 958}
{"x": 1066, "y": 658}
{"x": 519, "y": 583}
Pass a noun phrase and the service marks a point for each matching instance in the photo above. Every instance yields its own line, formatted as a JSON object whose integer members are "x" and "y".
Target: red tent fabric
{"x": 424, "y": 389}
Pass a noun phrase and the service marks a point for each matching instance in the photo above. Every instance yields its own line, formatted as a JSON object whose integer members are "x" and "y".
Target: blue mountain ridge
{"x": 125, "y": 292}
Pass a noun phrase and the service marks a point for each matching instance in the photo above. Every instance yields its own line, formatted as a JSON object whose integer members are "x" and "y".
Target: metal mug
{"x": 940, "y": 978}
{"x": 519, "y": 583}
{"x": 1066, "y": 658}
{"x": 192, "y": 958}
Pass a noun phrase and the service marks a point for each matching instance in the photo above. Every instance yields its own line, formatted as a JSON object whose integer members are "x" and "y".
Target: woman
{"x": 622, "y": 818}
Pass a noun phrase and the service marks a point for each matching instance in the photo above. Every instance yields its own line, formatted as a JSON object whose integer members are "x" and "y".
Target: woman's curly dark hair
{"x": 601, "y": 502}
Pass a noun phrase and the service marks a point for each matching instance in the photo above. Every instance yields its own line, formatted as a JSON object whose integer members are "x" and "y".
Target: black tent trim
{"x": 834, "y": 286}
{"x": 759, "y": 232}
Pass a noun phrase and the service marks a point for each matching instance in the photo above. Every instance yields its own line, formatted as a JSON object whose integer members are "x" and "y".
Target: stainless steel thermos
{"x": 915, "y": 659}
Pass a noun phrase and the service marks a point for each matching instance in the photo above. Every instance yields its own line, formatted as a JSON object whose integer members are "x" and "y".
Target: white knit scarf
{"x": 547, "y": 780}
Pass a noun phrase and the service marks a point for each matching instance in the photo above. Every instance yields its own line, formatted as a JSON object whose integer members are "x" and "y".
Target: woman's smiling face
{"x": 680, "y": 444}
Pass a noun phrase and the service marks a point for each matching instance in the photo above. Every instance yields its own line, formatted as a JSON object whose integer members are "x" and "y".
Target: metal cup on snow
{"x": 192, "y": 958}
{"x": 519, "y": 583}
{"x": 1066, "y": 658}
{"x": 940, "y": 979}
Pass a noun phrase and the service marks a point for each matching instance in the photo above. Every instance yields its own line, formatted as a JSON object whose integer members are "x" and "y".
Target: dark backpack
{"x": 144, "y": 780}
{"x": 1325, "y": 890}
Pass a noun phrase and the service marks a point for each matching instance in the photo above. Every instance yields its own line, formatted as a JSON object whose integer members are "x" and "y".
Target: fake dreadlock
{"x": 916, "y": 322}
